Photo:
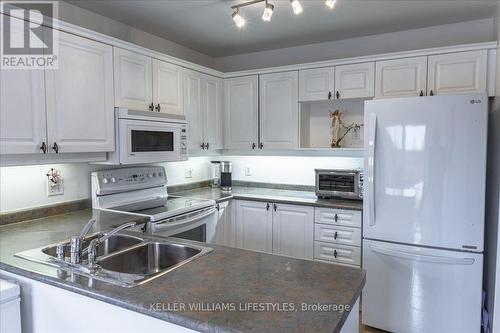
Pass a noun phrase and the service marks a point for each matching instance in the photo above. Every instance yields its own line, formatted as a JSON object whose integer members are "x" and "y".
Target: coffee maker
{"x": 222, "y": 175}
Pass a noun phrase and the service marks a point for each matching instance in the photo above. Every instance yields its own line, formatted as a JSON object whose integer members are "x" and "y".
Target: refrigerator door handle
{"x": 371, "y": 168}
{"x": 421, "y": 257}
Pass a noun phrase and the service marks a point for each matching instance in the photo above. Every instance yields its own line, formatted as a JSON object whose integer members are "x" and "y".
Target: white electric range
{"x": 142, "y": 191}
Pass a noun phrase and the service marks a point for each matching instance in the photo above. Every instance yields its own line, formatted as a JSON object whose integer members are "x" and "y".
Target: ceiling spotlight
{"x": 297, "y": 7}
{"x": 268, "y": 12}
{"x": 330, "y": 3}
{"x": 238, "y": 19}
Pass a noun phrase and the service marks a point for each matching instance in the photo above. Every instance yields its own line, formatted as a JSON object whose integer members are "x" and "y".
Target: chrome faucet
{"x": 76, "y": 243}
{"x": 96, "y": 242}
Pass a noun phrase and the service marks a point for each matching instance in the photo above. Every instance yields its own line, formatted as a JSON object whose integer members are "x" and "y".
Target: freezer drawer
{"x": 415, "y": 289}
{"x": 337, "y": 253}
{"x": 335, "y": 234}
{"x": 349, "y": 218}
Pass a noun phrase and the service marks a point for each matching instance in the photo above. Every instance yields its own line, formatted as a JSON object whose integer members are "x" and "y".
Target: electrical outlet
{"x": 248, "y": 172}
{"x": 188, "y": 173}
{"x": 55, "y": 188}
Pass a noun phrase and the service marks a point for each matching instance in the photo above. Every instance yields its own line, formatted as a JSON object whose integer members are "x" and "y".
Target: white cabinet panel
{"x": 316, "y": 84}
{"x": 225, "y": 233}
{"x": 22, "y": 109}
{"x": 133, "y": 80}
{"x": 254, "y": 226}
{"x": 293, "y": 230}
{"x": 401, "y": 77}
{"x": 335, "y": 234}
{"x": 213, "y": 112}
{"x": 193, "y": 109}
{"x": 167, "y": 87}
{"x": 462, "y": 72}
{"x": 343, "y": 217}
{"x": 241, "y": 109}
{"x": 279, "y": 110}
{"x": 355, "y": 81}
{"x": 80, "y": 115}
{"x": 337, "y": 253}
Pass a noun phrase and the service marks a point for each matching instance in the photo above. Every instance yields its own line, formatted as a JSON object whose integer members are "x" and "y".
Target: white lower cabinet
{"x": 254, "y": 226}
{"x": 225, "y": 232}
{"x": 293, "y": 231}
{"x": 275, "y": 228}
{"x": 337, "y": 236}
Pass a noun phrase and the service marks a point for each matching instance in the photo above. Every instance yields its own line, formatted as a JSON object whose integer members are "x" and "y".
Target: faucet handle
{"x": 75, "y": 250}
{"x": 92, "y": 253}
{"x": 60, "y": 251}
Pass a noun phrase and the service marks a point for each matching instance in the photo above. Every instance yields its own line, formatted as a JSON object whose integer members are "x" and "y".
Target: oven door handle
{"x": 165, "y": 225}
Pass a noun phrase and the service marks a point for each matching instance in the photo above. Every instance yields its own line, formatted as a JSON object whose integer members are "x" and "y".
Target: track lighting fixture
{"x": 238, "y": 19}
{"x": 269, "y": 9}
{"x": 268, "y": 12}
{"x": 330, "y": 3}
{"x": 296, "y": 6}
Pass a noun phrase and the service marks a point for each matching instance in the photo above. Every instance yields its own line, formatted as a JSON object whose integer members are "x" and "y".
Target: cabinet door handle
{"x": 202, "y": 145}
{"x": 261, "y": 145}
{"x": 253, "y": 145}
{"x": 337, "y": 94}
{"x": 275, "y": 207}
{"x": 421, "y": 93}
{"x": 55, "y": 147}
{"x": 335, "y": 235}
{"x": 217, "y": 207}
{"x": 267, "y": 206}
{"x": 151, "y": 107}
{"x": 431, "y": 93}
{"x": 43, "y": 147}
{"x": 329, "y": 95}
{"x": 158, "y": 107}
{"x": 335, "y": 253}
{"x": 207, "y": 145}
{"x": 336, "y": 217}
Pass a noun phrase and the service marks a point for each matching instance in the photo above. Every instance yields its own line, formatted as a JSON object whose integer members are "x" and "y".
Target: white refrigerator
{"x": 423, "y": 213}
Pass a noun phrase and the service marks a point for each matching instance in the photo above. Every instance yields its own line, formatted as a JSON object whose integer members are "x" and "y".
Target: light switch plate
{"x": 188, "y": 173}
{"x": 248, "y": 172}
{"x": 55, "y": 189}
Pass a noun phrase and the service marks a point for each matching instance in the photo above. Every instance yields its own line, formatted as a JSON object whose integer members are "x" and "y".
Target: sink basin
{"x": 149, "y": 259}
{"x": 113, "y": 244}
{"x": 123, "y": 259}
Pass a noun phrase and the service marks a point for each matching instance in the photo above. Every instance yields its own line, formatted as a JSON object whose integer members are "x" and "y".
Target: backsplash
{"x": 24, "y": 187}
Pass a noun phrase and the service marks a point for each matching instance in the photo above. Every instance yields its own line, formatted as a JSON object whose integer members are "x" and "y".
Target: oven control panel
{"x": 117, "y": 180}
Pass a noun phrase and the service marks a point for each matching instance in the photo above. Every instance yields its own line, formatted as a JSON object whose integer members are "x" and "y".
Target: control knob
{"x": 105, "y": 180}
{"x": 113, "y": 180}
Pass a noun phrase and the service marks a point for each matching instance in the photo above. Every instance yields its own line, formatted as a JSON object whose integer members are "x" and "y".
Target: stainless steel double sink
{"x": 125, "y": 259}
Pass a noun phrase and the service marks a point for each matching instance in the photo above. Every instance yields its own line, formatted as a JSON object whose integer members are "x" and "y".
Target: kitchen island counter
{"x": 244, "y": 282}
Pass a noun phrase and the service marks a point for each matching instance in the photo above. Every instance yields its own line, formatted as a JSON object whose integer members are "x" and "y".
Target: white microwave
{"x": 148, "y": 137}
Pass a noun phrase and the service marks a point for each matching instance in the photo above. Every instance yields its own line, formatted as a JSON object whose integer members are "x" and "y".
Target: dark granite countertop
{"x": 269, "y": 194}
{"x": 226, "y": 274}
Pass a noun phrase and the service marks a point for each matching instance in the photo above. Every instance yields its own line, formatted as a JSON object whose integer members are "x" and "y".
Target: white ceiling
{"x": 207, "y": 26}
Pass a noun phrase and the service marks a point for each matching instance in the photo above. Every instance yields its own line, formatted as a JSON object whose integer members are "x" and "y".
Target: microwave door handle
{"x": 421, "y": 257}
{"x": 370, "y": 179}
{"x": 165, "y": 225}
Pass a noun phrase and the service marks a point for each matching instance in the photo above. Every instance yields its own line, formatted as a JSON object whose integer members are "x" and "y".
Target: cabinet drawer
{"x": 335, "y": 234}
{"x": 337, "y": 253}
{"x": 349, "y": 218}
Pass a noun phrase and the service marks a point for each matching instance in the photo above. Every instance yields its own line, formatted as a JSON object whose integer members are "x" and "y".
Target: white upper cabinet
{"x": 213, "y": 112}
{"x": 462, "y": 72}
{"x": 316, "y": 84}
{"x": 167, "y": 87}
{"x": 193, "y": 107}
{"x": 79, "y": 95}
{"x": 293, "y": 231}
{"x": 22, "y": 109}
{"x": 405, "y": 77}
{"x": 254, "y": 226}
{"x": 355, "y": 81}
{"x": 133, "y": 80}
{"x": 241, "y": 109}
{"x": 279, "y": 111}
